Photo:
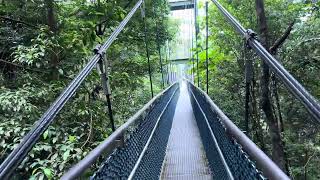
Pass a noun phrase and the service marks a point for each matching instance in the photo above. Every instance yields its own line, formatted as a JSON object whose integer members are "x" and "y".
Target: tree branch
{"x": 281, "y": 40}
{"x": 308, "y": 40}
{"x": 22, "y": 67}
{"x": 128, "y": 4}
{"x": 90, "y": 132}
{"x": 17, "y": 21}
{"x": 29, "y": 69}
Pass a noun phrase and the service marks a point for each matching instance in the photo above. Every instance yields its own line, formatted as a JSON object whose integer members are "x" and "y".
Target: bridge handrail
{"x": 104, "y": 147}
{"x": 21, "y": 151}
{"x": 292, "y": 84}
{"x": 268, "y": 167}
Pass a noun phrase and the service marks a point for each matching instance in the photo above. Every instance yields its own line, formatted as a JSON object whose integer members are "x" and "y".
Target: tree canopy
{"x": 45, "y": 43}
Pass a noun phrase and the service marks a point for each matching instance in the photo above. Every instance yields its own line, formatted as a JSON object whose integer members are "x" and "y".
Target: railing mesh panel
{"x": 215, "y": 162}
{"x": 121, "y": 162}
{"x": 239, "y": 164}
{"x": 152, "y": 161}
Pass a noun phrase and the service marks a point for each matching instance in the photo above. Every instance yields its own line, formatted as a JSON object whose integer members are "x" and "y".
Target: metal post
{"x": 197, "y": 32}
{"x": 102, "y": 68}
{"x": 248, "y": 80}
{"x": 207, "y": 44}
{"x": 160, "y": 58}
{"x": 146, "y": 44}
{"x": 193, "y": 78}
{"x": 167, "y": 64}
{"x": 170, "y": 67}
{"x": 159, "y": 48}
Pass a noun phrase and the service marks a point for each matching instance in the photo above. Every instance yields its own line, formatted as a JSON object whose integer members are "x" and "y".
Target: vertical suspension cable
{"x": 161, "y": 67}
{"x": 207, "y": 44}
{"x": 167, "y": 64}
{"x": 158, "y": 46}
{"x": 191, "y": 44}
{"x": 160, "y": 59}
{"x": 146, "y": 44}
{"x": 248, "y": 80}
{"x": 197, "y": 32}
{"x": 192, "y": 55}
{"x": 102, "y": 68}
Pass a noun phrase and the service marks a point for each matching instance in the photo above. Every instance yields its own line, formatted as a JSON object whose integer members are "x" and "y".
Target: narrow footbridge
{"x": 180, "y": 134}
{"x": 181, "y": 137}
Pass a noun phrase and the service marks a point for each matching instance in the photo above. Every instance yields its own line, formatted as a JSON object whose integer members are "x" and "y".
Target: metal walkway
{"x": 185, "y": 156}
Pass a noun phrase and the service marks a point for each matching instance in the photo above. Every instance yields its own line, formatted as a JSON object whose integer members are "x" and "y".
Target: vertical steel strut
{"x": 161, "y": 65}
{"x": 102, "y": 68}
{"x": 160, "y": 57}
{"x": 197, "y": 32}
{"x": 248, "y": 81}
{"x": 207, "y": 39}
{"x": 146, "y": 44}
{"x": 159, "y": 49}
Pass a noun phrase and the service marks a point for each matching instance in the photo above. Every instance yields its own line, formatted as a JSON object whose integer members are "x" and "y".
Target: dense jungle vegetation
{"x": 45, "y": 43}
{"x": 277, "y": 122}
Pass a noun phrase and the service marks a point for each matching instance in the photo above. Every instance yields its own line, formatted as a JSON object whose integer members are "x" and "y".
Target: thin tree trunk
{"x": 51, "y": 20}
{"x": 255, "y": 114}
{"x": 278, "y": 154}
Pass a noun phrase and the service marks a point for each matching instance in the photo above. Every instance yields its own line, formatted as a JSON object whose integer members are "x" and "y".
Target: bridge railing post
{"x": 102, "y": 68}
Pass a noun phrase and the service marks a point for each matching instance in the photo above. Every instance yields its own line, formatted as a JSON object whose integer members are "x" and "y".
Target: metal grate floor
{"x": 185, "y": 157}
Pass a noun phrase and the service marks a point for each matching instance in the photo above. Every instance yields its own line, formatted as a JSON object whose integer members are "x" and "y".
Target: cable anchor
{"x": 142, "y": 7}
{"x": 97, "y": 50}
{"x": 250, "y": 34}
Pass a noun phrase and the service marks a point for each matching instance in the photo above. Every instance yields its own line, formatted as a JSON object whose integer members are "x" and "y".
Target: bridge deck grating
{"x": 185, "y": 156}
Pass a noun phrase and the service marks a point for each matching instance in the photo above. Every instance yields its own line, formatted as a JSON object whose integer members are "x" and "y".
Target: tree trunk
{"x": 278, "y": 154}
{"x": 51, "y": 20}
{"x": 51, "y": 16}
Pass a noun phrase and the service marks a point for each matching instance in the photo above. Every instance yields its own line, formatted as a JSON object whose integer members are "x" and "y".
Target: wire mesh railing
{"x": 238, "y": 151}
{"x": 148, "y": 130}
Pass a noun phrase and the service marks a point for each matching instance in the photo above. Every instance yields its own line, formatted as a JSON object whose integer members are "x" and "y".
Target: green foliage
{"x": 39, "y": 61}
{"x": 299, "y": 54}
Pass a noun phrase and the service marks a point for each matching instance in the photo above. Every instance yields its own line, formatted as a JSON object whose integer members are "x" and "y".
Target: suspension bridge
{"x": 179, "y": 134}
